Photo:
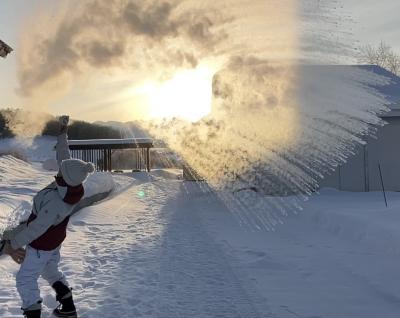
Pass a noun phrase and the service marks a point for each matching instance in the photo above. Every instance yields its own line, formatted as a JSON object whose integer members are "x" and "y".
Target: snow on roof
{"x": 390, "y": 91}
{"x": 138, "y": 141}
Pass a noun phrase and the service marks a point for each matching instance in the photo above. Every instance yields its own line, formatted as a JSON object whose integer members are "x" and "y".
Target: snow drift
{"x": 20, "y": 181}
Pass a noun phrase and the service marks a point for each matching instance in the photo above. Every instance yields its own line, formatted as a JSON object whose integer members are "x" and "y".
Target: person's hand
{"x": 63, "y": 120}
{"x": 17, "y": 255}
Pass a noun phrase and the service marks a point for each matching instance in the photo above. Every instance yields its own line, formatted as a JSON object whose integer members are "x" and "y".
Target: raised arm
{"x": 62, "y": 149}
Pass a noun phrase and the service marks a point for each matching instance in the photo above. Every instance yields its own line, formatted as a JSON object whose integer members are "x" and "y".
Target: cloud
{"x": 105, "y": 34}
{"x": 254, "y": 84}
{"x": 153, "y": 21}
{"x": 274, "y": 125}
{"x": 97, "y": 53}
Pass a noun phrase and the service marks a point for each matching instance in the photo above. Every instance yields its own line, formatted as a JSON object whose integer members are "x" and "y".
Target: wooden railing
{"x": 99, "y": 151}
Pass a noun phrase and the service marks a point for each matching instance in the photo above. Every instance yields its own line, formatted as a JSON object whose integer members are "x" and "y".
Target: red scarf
{"x": 56, "y": 234}
{"x": 73, "y": 194}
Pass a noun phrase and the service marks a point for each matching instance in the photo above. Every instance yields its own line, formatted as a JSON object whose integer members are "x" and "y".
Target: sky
{"x": 119, "y": 90}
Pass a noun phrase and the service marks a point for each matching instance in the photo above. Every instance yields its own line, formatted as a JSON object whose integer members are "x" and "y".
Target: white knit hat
{"x": 75, "y": 171}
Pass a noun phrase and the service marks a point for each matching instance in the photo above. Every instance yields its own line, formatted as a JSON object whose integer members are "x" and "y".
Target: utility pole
{"x": 4, "y": 49}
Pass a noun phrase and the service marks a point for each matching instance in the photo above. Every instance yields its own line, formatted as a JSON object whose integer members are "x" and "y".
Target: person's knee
{"x": 25, "y": 282}
{"x": 22, "y": 280}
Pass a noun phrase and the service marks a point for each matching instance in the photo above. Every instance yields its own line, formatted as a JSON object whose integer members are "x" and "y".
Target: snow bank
{"x": 50, "y": 165}
{"x": 98, "y": 182}
{"x": 36, "y": 149}
{"x": 20, "y": 181}
{"x": 359, "y": 217}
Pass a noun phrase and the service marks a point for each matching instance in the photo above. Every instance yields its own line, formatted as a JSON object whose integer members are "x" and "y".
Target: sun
{"x": 187, "y": 95}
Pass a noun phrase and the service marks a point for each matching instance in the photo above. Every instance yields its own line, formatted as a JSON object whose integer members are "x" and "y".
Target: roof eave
{"x": 394, "y": 112}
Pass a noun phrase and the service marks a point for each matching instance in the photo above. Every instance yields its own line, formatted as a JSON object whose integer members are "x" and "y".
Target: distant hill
{"x": 22, "y": 122}
{"x": 29, "y": 124}
{"x": 16, "y": 121}
{"x": 130, "y": 129}
{"x": 82, "y": 130}
{"x": 5, "y": 131}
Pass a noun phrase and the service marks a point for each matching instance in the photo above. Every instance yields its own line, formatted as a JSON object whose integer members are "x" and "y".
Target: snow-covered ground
{"x": 36, "y": 149}
{"x": 162, "y": 247}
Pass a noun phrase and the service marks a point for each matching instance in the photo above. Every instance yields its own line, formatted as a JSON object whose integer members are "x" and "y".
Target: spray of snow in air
{"x": 278, "y": 126}
{"x": 281, "y": 117}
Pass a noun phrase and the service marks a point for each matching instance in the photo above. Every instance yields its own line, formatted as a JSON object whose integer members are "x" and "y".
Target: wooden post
{"x": 148, "y": 159}
{"x": 104, "y": 168}
{"x": 109, "y": 160}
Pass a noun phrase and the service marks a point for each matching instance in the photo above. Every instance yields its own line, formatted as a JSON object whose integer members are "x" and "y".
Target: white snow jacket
{"x": 52, "y": 206}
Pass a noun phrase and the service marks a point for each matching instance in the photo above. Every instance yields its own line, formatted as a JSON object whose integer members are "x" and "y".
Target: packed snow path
{"x": 160, "y": 247}
{"x": 146, "y": 255}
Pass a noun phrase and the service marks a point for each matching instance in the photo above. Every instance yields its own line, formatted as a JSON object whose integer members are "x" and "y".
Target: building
{"x": 361, "y": 172}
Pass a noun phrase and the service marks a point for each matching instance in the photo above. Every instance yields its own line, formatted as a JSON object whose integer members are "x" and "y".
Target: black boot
{"x": 32, "y": 313}
{"x": 64, "y": 296}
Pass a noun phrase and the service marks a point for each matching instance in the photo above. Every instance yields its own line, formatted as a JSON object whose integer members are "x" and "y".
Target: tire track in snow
{"x": 196, "y": 279}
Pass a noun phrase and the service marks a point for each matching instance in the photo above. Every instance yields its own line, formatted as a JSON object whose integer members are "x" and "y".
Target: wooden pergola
{"x": 99, "y": 151}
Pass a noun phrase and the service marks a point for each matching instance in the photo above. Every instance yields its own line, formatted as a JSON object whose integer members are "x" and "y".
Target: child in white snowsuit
{"x": 46, "y": 230}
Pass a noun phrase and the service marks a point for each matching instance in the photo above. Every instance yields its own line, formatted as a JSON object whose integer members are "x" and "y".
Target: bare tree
{"x": 381, "y": 55}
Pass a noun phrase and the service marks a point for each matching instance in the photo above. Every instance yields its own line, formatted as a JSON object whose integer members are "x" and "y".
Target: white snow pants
{"x": 37, "y": 263}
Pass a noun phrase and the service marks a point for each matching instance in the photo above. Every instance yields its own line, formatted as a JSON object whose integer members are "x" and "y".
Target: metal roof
{"x": 391, "y": 91}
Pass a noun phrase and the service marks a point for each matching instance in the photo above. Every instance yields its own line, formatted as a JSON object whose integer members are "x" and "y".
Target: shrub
{"x": 5, "y": 131}
{"x": 82, "y": 130}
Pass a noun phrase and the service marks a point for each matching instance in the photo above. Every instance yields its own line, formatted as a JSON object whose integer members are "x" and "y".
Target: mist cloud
{"x": 275, "y": 126}
{"x": 105, "y": 34}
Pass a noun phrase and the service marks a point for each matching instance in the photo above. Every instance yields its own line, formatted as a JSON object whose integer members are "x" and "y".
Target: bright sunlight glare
{"x": 187, "y": 95}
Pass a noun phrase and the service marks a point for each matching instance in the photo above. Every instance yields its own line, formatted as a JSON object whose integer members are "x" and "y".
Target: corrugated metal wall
{"x": 361, "y": 173}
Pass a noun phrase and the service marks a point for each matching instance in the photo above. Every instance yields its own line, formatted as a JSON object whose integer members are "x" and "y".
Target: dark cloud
{"x": 98, "y": 53}
{"x": 201, "y": 29}
{"x": 153, "y": 21}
